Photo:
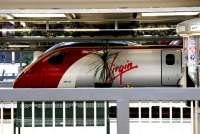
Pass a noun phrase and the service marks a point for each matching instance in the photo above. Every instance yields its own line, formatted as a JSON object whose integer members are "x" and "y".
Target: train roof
{"x": 172, "y": 44}
{"x": 86, "y": 44}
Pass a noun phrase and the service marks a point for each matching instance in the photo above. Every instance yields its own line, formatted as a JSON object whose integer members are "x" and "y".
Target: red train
{"x": 69, "y": 65}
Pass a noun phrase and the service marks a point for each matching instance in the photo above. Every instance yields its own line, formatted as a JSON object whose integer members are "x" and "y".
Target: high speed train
{"x": 72, "y": 65}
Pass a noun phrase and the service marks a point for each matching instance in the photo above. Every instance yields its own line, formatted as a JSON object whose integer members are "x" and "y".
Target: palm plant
{"x": 103, "y": 70}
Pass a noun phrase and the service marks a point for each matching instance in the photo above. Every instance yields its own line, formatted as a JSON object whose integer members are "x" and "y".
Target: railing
{"x": 120, "y": 95}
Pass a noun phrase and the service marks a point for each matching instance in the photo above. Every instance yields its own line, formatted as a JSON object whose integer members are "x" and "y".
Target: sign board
{"x": 5, "y": 57}
{"x": 195, "y": 27}
{"x": 192, "y": 57}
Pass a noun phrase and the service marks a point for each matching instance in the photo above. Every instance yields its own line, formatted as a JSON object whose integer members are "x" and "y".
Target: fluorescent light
{"x": 134, "y": 29}
{"x": 15, "y": 30}
{"x": 10, "y": 18}
{"x": 170, "y": 14}
{"x": 38, "y": 15}
{"x": 152, "y": 28}
{"x": 83, "y": 30}
{"x": 23, "y": 23}
{"x": 17, "y": 46}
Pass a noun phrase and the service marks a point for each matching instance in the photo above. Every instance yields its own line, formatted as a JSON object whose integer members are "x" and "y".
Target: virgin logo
{"x": 120, "y": 70}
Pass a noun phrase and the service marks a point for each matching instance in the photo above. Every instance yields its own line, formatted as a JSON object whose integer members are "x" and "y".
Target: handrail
{"x": 109, "y": 94}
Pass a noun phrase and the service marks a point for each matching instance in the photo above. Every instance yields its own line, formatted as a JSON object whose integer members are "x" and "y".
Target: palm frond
{"x": 103, "y": 70}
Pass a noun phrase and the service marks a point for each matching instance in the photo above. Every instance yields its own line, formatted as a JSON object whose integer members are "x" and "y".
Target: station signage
{"x": 195, "y": 27}
{"x": 192, "y": 57}
{"x": 5, "y": 57}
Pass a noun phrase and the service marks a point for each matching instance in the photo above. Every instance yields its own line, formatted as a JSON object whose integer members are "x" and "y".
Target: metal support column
{"x": 122, "y": 117}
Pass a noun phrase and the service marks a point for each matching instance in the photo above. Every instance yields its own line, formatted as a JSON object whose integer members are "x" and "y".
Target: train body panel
{"x": 73, "y": 67}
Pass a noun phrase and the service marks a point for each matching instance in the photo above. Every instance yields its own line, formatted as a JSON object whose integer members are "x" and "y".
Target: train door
{"x": 171, "y": 67}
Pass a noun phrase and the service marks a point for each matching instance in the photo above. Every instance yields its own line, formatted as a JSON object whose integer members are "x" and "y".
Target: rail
{"x": 120, "y": 95}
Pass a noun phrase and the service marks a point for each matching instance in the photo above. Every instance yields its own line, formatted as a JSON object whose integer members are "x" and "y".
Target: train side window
{"x": 79, "y": 113}
{"x": 6, "y": 113}
{"x": 145, "y": 112}
{"x": 57, "y": 58}
{"x": 186, "y": 113}
{"x": 18, "y": 118}
{"x": 134, "y": 112}
{"x": 27, "y": 114}
{"x": 48, "y": 114}
{"x": 58, "y": 113}
{"x": 113, "y": 112}
{"x": 170, "y": 59}
{"x": 100, "y": 111}
{"x": 38, "y": 114}
{"x": 176, "y": 112}
{"x": 165, "y": 112}
{"x": 155, "y": 111}
{"x": 89, "y": 113}
{"x": 69, "y": 113}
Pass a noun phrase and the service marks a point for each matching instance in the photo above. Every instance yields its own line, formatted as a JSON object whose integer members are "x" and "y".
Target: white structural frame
{"x": 120, "y": 95}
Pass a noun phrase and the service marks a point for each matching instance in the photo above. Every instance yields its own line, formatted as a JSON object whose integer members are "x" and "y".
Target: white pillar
{"x": 95, "y": 113}
{"x": 122, "y": 117}
{"x": 181, "y": 111}
{"x": 12, "y": 118}
{"x": 192, "y": 117}
{"x": 54, "y": 119}
{"x": 43, "y": 114}
{"x": 160, "y": 111}
{"x": 74, "y": 113}
{"x": 196, "y": 117}
{"x": 84, "y": 113}
{"x": 105, "y": 113}
{"x": 170, "y": 112}
{"x": 139, "y": 112}
{"x": 64, "y": 114}
{"x": 150, "y": 111}
{"x": 33, "y": 114}
{"x": 22, "y": 113}
{"x": 13, "y": 57}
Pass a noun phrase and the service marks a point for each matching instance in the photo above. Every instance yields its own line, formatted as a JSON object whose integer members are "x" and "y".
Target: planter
{"x": 103, "y": 85}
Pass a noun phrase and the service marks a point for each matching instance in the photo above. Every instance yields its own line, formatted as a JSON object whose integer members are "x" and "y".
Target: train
{"x": 71, "y": 64}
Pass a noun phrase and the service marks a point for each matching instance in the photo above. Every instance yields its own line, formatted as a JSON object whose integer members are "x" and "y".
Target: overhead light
{"x": 18, "y": 46}
{"x": 134, "y": 29}
{"x": 38, "y": 15}
{"x": 23, "y": 23}
{"x": 16, "y": 30}
{"x": 10, "y": 18}
{"x": 152, "y": 28}
{"x": 171, "y": 14}
{"x": 82, "y": 30}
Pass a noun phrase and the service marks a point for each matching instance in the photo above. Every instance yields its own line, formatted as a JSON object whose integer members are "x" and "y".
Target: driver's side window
{"x": 57, "y": 58}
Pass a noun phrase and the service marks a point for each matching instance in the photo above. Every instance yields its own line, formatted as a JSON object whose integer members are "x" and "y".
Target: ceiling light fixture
{"x": 15, "y": 30}
{"x": 39, "y": 15}
{"x": 23, "y": 23}
{"x": 18, "y": 46}
{"x": 171, "y": 14}
{"x": 10, "y": 18}
{"x": 153, "y": 28}
{"x": 83, "y": 30}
